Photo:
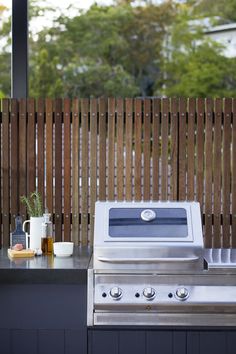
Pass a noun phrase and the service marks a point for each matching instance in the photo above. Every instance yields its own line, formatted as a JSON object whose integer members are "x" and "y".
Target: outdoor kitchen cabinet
{"x": 43, "y": 305}
{"x": 161, "y": 341}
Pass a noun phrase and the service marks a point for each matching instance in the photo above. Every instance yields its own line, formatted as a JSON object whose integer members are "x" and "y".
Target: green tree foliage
{"x": 202, "y": 72}
{"x": 125, "y": 50}
{"x": 224, "y": 11}
{"x": 194, "y": 65}
{"x": 5, "y": 56}
{"x": 108, "y": 50}
{"x": 47, "y": 82}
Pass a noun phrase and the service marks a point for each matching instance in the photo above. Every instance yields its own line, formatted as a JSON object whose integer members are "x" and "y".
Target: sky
{"x": 46, "y": 21}
{"x": 83, "y": 4}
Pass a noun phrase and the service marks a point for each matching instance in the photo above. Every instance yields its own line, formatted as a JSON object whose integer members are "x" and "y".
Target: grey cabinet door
{"x": 102, "y": 342}
{"x": 5, "y": 340}
{"x": 76, "y": 341}
{"x": 43, "y": 319}
{"x": 136, "y": 341}
{"x": 212, "y": 342}
{"x": 153, "y": 341}
{"x": 132, "y": 342}
{"x": 166, "y": 342}
{"x": 231, "y": 342}
{"x": 51, "y": 341}
{"x": 24, "y": 341}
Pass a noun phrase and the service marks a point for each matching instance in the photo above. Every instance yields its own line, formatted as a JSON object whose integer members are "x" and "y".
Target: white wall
{"x": 227, "y": 38}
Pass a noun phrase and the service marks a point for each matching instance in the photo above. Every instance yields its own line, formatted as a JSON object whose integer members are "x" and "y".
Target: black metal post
{"x": 19, "y": 62}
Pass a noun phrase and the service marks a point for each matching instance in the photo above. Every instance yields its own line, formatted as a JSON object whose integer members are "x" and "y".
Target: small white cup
{"x": 63, "y": 249}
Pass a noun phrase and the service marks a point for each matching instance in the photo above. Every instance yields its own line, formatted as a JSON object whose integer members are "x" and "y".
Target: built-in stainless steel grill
{"x": 150, "y": 268}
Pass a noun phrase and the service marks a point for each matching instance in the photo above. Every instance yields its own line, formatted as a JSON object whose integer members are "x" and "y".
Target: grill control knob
{"x": 116, "y": 293}
{"x": 149, "y": 293}
{"x": 182, "y": 293}
{"x": 148, "y": 215}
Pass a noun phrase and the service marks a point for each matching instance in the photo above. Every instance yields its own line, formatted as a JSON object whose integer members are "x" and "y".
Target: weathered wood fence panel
{"x": 13, "y": 168}
{"x": 233, "y": 176}
{"x": 67, "y": 170}
{"x": 75, "y": 170}
{"x": 217, "y": 160}
{"x": 77, "y": 151}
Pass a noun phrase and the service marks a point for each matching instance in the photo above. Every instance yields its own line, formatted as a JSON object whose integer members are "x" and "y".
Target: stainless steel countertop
{"x": 221, "y": 260}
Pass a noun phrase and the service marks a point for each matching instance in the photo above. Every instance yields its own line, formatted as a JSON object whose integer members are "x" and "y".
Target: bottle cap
{"x": 46, "y": 217}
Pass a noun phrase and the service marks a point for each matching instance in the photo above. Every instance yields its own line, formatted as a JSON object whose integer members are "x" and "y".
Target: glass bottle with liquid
{"x": 47, "y": 237}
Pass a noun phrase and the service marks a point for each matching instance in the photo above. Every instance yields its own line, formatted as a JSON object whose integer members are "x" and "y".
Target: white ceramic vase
{"x": 35, "y": 232}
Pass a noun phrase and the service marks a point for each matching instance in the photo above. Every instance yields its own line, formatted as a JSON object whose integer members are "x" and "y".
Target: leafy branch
{"x": 33, "y": 204}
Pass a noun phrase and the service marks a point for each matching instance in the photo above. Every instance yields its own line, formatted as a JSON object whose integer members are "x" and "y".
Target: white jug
{"x": 35, "y": 232}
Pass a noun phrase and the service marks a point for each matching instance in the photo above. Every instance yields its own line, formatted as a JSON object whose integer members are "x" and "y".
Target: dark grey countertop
{"x": 46, "y": 269}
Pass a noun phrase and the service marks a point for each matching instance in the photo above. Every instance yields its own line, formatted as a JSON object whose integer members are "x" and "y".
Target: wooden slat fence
{"x": 77, "y": 151}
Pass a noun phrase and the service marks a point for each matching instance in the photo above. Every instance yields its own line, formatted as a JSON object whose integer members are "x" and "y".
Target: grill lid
{"x": 148, "y": 235}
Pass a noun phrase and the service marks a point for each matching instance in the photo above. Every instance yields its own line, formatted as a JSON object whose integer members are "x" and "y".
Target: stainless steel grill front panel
{"x": 200, "y": 294}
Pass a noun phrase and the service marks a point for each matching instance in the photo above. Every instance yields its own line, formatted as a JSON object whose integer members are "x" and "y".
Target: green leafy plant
{"x": 33, "y": 204}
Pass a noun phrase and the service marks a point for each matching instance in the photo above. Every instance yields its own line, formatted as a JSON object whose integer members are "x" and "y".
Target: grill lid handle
{"x": 148, "y": 260}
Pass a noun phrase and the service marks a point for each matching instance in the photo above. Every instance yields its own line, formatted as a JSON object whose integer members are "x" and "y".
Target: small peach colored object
{"x": 17, "y": 247}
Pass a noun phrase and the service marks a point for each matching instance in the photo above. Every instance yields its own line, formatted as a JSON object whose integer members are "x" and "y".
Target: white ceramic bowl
{"x": 63, "y": 249}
